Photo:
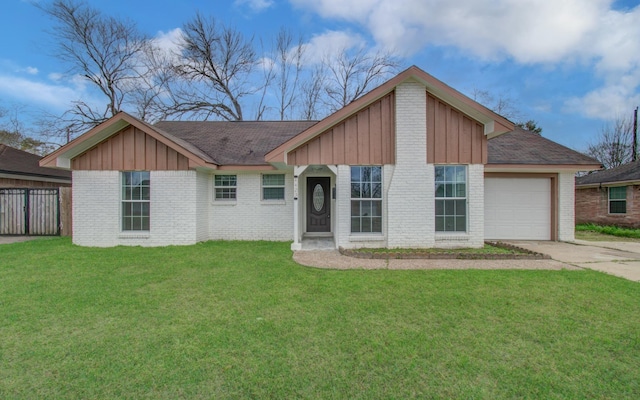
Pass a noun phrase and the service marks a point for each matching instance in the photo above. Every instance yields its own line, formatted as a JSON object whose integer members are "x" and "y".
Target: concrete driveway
{"x": 616, "y": 258}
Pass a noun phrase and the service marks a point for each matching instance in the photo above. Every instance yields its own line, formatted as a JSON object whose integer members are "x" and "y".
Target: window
{"x": 451, "y": 198}
{"x": 225, "y": 187}
{"x": 273, "y": 187}
{"x": 366, "y": 199}
{"x": 618, "y": 200}
{"x": 136, "y": 187}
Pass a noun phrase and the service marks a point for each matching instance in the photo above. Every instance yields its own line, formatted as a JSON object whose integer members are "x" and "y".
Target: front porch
{"x": 314, "y": 207}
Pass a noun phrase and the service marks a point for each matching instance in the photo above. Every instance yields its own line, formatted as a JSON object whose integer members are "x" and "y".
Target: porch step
{"x": 318, "y": 243}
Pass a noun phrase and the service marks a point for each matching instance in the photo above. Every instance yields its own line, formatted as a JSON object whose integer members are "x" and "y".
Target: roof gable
{"x": 494, "y": 124}
{"x": 62, "y": 157}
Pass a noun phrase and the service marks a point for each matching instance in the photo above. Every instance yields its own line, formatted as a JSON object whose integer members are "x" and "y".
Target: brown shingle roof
{"x": 523, "y": 147}
{"x": 18, "y": 162}
{"x": 623, "y": 173}
{"x": 235, "y": 143}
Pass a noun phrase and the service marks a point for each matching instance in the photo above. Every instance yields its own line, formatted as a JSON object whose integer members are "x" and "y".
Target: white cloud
{"x": 31, "y": 70}
{"x": 169, "y": 41}
{"x": 330, "y": 43}
{"x": 57, "y": 96}
{"x": 255, "y": 5}
{"x": 529, "y": 31}
{"x": 609, "y": 101}
{"x": 589, "y": 33}
{"x": 55, "y": 76}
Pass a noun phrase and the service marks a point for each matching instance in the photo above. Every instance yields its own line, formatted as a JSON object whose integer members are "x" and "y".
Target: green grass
{"x": 487, "y": 250}
{"x": 242, "y": 320}
{"x": 609, "y": 230}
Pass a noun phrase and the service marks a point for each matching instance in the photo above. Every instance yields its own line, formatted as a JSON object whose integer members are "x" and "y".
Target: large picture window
{"x": 273, "y": 187}
{"x": 618, "y": 200}
{"x": 225, "y": 187}
{"x": 451, "y": 198}
{"x": 366, "y": 199}
{"x": 136, "y": 195}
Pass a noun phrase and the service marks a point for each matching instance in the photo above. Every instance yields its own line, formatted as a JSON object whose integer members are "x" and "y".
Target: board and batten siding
{"x": 129, "y": 150}
{"x": 365, "y": 138}
{"x": 453, "y": 137}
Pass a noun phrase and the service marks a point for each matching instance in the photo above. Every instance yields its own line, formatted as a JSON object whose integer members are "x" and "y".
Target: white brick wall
{"x": 410, "y": 203}
{"x": 203, "y": 198}
{"x": 474, "y": 237}
{"x": 96, "y": 208}
{"x": 173, "y": 209}
{"x": 97, "y": 205}
{"x": 342, "y": 228}
{"x": 249, "y": 218}
{"x": 343, "y": 207}
{"x": 566, "y": 204}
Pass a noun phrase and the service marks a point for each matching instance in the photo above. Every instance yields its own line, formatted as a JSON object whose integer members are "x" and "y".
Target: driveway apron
{"x": 616, "y": 258}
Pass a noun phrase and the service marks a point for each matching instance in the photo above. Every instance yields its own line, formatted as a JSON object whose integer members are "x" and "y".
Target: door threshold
{"x": 318, "y": 234}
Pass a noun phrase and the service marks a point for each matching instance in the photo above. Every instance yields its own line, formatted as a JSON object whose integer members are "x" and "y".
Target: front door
{"x": 318, "y": 204}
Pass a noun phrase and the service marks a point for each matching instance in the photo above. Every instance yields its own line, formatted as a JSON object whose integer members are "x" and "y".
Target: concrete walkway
{"x": 16, "y": 239}
{"x": 332, "y": 259}
{"x": 616, "y": 258}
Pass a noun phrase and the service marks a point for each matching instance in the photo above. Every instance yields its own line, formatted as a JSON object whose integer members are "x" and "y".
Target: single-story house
{"x": 20, "y": 169}
{"x": 610, "y": 197}
{"x": 413, "y": 163}
{"x": 34, "y": 200}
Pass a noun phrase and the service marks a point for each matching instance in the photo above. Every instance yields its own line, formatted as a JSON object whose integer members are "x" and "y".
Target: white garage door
{"x": 517, "y": 208}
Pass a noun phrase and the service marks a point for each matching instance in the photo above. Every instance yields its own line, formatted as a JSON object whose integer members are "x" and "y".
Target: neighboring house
{"x": 20, "y": 169}
{"x": 413, "y": 163}
{"x": 610, "y": 197}
{"x": 33, "y": 199}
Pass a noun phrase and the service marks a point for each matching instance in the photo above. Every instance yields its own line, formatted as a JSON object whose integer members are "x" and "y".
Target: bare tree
{"x": 157, "y": 73}
{"x": 216, "y": 63}
{"x": 311, "y": 94}
{"x": 614, "y": 145}
{"x": 352, "y": 74}
{"x": 103, "y": 50}
{"x": 288, "y": 61}
{"x": 501, "y": 104}
{"x": 15, "y": 134}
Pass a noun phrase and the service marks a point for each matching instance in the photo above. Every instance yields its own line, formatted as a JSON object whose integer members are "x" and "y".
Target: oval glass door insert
{"x": 318, "y": 197}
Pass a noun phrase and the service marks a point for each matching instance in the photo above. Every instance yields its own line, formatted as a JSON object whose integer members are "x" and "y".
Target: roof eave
{"x": 501, "y": 167}
{"x": 608, "y": 184}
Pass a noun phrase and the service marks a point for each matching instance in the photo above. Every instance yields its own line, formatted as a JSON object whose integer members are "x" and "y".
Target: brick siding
{"x": 592, "y": 206}
{"x": 248, "y": 217}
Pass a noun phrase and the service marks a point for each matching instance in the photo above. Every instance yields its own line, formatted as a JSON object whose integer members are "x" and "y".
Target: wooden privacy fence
{"x": 35, "y": 212}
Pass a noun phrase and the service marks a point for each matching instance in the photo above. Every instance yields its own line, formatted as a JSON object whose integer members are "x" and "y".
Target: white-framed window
{"x": 618, "y": 200}
{"x": 225, "y": 187}
{"x": 451, "y": 198}
{"x": 366, "y": 199}
{"x": 136, "y": 199}
{"x": 273, "y": 187}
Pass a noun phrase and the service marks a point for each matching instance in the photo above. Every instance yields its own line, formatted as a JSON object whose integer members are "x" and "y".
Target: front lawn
{"x": 606, "y": 233}
{"x": 242, "y": 320}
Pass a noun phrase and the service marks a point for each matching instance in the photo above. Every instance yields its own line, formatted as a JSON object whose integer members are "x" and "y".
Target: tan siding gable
{"x": 365, "y": 138}
{"x": 130, "y": 149}
{"x": 453, "y": 137}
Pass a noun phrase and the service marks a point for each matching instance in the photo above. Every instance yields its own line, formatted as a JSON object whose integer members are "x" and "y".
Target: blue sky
{"x": 571, "y": 65}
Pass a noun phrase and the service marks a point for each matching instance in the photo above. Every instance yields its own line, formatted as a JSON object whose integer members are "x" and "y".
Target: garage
{"x": 517, "y": 208}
